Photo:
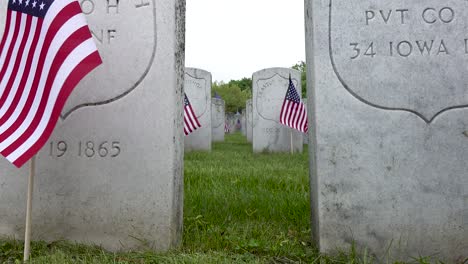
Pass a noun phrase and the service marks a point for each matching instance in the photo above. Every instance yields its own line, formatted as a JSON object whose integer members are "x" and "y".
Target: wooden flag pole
{"x": 292, "y": 147}
{"x": 27, "y": 233}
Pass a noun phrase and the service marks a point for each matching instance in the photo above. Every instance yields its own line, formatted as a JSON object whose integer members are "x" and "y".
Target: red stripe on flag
{"x": 83, "y": 68}
{"x": 10, "y": 49}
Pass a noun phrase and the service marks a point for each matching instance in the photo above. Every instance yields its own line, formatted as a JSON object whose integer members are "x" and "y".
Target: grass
{"x": 239, "y": 207}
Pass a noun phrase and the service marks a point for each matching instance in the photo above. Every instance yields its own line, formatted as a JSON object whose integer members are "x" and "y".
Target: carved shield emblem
{"x": 396, "y": 57}
{"x": 198, "y": 91}
{"x": 270, "y": 96}
{"x": 125, "y": 34}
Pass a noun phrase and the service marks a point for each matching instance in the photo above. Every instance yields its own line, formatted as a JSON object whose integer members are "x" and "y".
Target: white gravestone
{"x": 243, "y": 124}
{"x": 389, "y": 103}
{"x": 269, "y": 90}
{"x": 217, "y": 119}
{"x": 198, "y": 90}
{"x": 111, "y": 174}
{"x": 249, "y": 120}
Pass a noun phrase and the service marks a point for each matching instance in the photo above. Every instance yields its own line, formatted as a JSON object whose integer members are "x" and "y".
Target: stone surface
{"x": 198, "y": 90}
{"x": 249, "y": 120}
{"x": 111, "y": 174}
{"x": 269, "y": 90}
{"x": 389, "y": 168}
{"x": 217, "y": 119}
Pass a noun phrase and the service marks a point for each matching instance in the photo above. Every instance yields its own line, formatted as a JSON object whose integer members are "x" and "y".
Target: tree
{"x": 233, "y": 96}
{"x": 302, "y": 67}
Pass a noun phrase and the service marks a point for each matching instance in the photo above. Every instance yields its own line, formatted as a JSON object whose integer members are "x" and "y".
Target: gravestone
{"x": 111, "y": 174}
{"x": 217, "y": 119}
{"x": 249, "y": 120}
{"x": 269, "y": 90}
{"x": 389, "y": 99}
{"x": 243, "y": 124}
{"x": 198, "y": 90}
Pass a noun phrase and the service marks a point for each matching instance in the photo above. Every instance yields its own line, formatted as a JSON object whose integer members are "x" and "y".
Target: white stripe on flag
{"x": 74, "y": 58}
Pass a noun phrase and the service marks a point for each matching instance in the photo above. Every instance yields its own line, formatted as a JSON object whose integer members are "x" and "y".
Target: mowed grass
{"x": 241, "y": 202}
{"x": 239, "y": 207}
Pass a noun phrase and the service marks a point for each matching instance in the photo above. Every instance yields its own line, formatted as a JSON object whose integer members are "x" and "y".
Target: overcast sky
{"x": 234, "y": 38}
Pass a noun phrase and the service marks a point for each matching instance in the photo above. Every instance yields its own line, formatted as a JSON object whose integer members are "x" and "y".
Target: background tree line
{"x": 235, "y": 93}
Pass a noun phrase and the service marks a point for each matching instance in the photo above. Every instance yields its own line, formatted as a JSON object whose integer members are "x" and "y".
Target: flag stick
{"x": 27, "y": 233}
{"x": 292, "y": 147}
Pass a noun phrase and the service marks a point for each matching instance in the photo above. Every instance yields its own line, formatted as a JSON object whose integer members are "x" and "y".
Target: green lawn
{"x": 240, "y": 207}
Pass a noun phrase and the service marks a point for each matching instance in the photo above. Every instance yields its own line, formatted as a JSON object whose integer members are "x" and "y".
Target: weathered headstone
{"x": 111, "y": 174}
{"x": 217, "y": 119}
{"x": 198, "y": 90}
{"x": 389, "y": 99}
{"x": 249, "y": 120}
{"x": 269, "y": 90}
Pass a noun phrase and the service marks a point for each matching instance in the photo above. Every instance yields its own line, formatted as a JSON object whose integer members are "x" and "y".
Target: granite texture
{"x": 198, "y": 90}
{"x": 389, "y": 164}
{"x": 269, "y": 90}
{"x": 217, "y": 120}
{"x": 112, "y": 172}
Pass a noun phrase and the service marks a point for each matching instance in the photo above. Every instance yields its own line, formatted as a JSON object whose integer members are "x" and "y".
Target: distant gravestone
{"x": 389, "y": 103}
{"x": 111, "y": 174}
{"x": 243, "y": 124}
{"x": 269, "y": 90}
{"x": 217, "y": 119}
{"x": 198, "y": 90}
{"x": 249, "y": 120}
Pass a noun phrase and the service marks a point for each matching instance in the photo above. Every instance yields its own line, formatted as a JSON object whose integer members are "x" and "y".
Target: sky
{"x": 234, "y": 38}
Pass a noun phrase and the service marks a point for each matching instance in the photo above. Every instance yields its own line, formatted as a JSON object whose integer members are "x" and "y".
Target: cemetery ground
{"x": 240, "y": 207}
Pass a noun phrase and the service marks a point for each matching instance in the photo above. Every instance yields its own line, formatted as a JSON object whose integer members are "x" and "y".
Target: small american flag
{"x": 293, "y": 112}
{"x": 226, "y": 128}
{"x": 45, "y": 51}
{"x": 190, "y": 119}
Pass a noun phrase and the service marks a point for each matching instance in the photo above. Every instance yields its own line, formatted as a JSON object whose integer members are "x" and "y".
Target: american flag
{"x": 226, "y": 128}
{"x": 190, "y": 119}
{"x": 45, "y": 51}
{"x": 293, "y": 112}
